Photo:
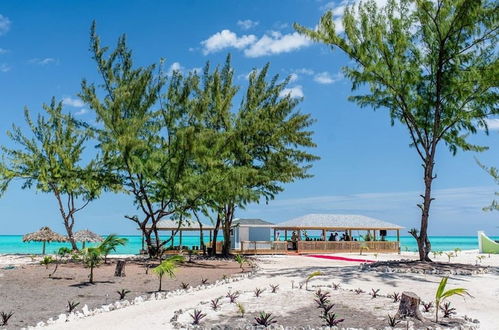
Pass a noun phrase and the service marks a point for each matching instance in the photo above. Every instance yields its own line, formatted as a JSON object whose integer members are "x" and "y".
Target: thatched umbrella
{"x": 45, "y": 234}
{"x": 87, "y": 236}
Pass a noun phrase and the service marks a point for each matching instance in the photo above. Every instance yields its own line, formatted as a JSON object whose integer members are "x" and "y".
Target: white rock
{"x": 85, "y": 310}
{"x": 62, "y": 318}
{"x": 40, "y": 324}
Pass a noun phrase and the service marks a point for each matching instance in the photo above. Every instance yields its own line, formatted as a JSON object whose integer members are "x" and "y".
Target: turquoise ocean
{"x": 13, "y": 244}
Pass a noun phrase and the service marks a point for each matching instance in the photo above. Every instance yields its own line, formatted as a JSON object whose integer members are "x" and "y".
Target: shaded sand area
{"x": 295, "y": 307}
{"x": 33, "y": 296}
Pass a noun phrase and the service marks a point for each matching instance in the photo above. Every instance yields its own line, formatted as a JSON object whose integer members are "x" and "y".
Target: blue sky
{"x": 366, "y": 166}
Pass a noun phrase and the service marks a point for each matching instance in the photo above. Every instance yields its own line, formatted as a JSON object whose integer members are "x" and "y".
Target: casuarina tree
{"x": 432, "y": 64}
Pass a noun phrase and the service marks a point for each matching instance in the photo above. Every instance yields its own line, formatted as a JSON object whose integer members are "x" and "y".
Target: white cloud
{"x": 339, "y": 9}
{"x": 492, "y": 124}
{"x": 276, "y": 43}
{"x": 4, "y": 67}
{"x": 175, "y": 67}
{"x": 42, "y": 61}
{"x": 4, "y": 24}
{"x": 81, "y": 112}
{"x": 293, "y": 77}
{"x": 3, "y": 51}
{"x": 247, "y": 24}
{"x": 294, "y": 92}
{"x": 305, "y": 71}
{"x": 326, "y": 78}
{"x": 226, "y": 39}
{"x": 73, "y": 102}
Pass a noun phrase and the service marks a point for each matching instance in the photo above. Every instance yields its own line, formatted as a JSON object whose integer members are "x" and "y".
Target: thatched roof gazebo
{"x": 85, "y": 236}
{"x": 45, "y": 235}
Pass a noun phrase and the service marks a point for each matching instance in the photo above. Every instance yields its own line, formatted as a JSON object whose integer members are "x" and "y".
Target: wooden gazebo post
{"x": 285, "y": 235}
{"x": 173, "y": 238}
{"x": 181, "y": 239}
{"x": 398, "y": 238}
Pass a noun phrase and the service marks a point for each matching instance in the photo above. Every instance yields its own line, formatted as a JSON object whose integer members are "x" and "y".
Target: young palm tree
{"x": 240, "y": 259}
{"x": 442, "y": 294}
{"x": 91, "y": 257}
{"x": 167, "y": 267}
{"x": 110, "y": 244}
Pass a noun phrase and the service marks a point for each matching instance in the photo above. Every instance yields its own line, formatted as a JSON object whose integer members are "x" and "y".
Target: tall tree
{"x": 51, "y": 159}
{"x": 432, "y": 64}
{"x": 146, "y": 134}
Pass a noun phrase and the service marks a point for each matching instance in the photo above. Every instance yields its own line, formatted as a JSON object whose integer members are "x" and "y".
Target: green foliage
{"x": 91, "y": 258}
{"x": 109, "y": 244}
{"x": 46, "y": 261}
{"x": 265, "y": 319}
{"x": 72, "y": 305}
{"x": 50, "y": 158}
{"x": 167, "y": 267}
{"x": 393, "y": 321}
{"x": 441, "y": 294}
{"x": 241, "y": 309}
{"x": 432, "y": 64}
{"x": 494, "y": 173}
{"x": 311, "y": 276}
{"x": 240, "y": 259}
{"x": 197, "y": 316}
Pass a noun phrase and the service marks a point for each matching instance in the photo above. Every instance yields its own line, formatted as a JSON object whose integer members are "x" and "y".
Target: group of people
{"x": 332, "y": 237}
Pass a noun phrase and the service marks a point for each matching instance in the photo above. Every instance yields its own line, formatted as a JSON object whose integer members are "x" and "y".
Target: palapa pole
{"x": 43, "y": 249}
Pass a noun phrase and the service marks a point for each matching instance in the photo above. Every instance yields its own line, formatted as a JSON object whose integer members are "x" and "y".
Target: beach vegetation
{"x": 184, "y": 285}
{"x": 167, "y": 267}
{"x": 204, "y": 280}
{"x": 215, "y": 303}
{"x": 61, "y": 254}
{"x": 241, "y": 309}
{"x": 274, "y": 287}
{"x": 322, "y": 298}
{"x": 91, "y": 257}
{"x": 50, "y": 159}
{"x": 450, "y": 255}
{"x": 447, "y": 309}
{"x": 46, "y": 261}
{"x": 336, "y": 286}
{"x": 442, "y": 294}
{"x": 197, "y": 316}
{"x": 122, "y": 293}
{"x": 433, "y": 68}
{"x": 456, "y": 251}
{"x": 240, "y": 259}
{"x": 232, "y": 296}
{"x": 5, "y": 316}
{"x": 311, "y": 276}
{"x": 72, "y": 305}
{"x": 109, "y": 244}
{"x": 331, "y": 320}
{"x": 363, "y": 247}
{"x": 395, "y": 296}
{"x": 393, "y": 321}
{"x": 427, "y": 306}
{"x": 358, "y": 291}
{"x": 480, "y": 258}
{"x": 265, "y": 319}
{"x": 258, "y": 292}
{"x": 374, "y": 293}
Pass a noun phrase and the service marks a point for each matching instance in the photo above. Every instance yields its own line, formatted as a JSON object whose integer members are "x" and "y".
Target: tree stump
{"x": 119, "y": 271}
{"x": 409, "y": 306}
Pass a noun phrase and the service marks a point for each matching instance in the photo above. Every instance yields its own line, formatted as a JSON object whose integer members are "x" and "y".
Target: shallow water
{"x": 14, "y": 244}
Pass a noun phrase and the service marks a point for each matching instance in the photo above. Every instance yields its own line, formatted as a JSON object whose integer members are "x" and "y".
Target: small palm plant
{"x": 441, "y": 294}
{"x": 450, "y": 255}
{"x": 72, "y": 305}
{"x": 5, "y": 316}
{"x": 197, "y": 316}
{"x": 91, "y": 258}
{"x": 457, "y": 250}
{"x": 241, "y": 309}
{"x": 167, "y": 267}
{"x": 311, "y": 276}
{"x": 274, "y": 287}
{"x": 122, "y": 293}
{"x": 62, "y": 253}
{"x": 110, "y": 244}
{"x": 393, "y": 321}
{"x": 46, "y": 261}
{"x": 241, "y": 260}
{"x": 265, "y": 319}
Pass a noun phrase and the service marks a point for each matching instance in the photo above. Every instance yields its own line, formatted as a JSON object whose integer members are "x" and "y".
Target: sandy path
{"x": 284, "y": 269}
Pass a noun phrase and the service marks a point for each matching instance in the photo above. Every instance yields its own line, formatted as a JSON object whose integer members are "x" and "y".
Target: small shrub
{"x": 232, "y": 296}
{"x": 336, "y": 286}
{"x": 395, "y": 296}
{"x": 274, "y": 287}
{"x": 241, "y": 260}
{"x": 204, "y": 281}
{"x": 358, "y": 291}
{"x": 184, "y": 285}
{"x": 427, "y": 306}
{"x": 72, "y": 305}
{"x": 447, "y": 310}
{"x": 258, "y": 292}
{"x": 393, "y": 321}
{"x": 197, "y": 316}
{"x": 311, "y": 276}
{"x": 265, "y": 319}
{"x": 374, "y": 293}
{"x": 122, "y": 293}
{"x": 322, "y": 299}
{"x": 215, "y": 304}
{"x": 241, "y": 309}
{"x": 46, "y": 261}
{"x": 450, "y": 255}
{"x": 5, "y": 317}
{"x": 331, "y": 320}
{"x": 224, "y": 277}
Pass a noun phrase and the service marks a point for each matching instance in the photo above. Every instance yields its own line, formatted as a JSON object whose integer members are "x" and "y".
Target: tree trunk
{"x": 160, "y": 280}
{"x": 409, "y": 306}
{"x": 215, "y": 234}
{"x": 119, "y": 271}
{"x": 424, "y": 245}
{"x": 91, "y": 279}
{"x": 228, "y": 216}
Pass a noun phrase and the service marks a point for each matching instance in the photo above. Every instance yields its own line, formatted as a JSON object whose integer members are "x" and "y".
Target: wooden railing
{"x": 262, "y": 247}
{"x": 346, "y": 246}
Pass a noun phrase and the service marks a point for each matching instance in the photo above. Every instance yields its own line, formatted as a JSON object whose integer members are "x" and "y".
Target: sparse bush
{"x": 336, "y": 286}
{"x": 122, "y": 293}
{"x": 72, "y": 305}
{"x": 331, "y": 320}
{"x": 215, "y": 304}
{"x": 427, "y": 306}
{"x": 447, "y": 310}
{"x": 46, "y": 261}
{"x": 197, "y": 316}
{"x": 241, "y": 309}
{"x": 258, "y": 292}
{"x": 395, "y": 296}
{"x": 5, "y": 316}
{"x": 322, "y": 299}
{"x": 393, "y": 321}
{"x": 374, "y": 293}
{"x": 232, "y": 296}
{"x": 241, "y": 260}
{"x": 184, "y": 285}
{"x": 265, "y": 319}
{"x": 274, "y": 287}
{"x": 358, "y": 291}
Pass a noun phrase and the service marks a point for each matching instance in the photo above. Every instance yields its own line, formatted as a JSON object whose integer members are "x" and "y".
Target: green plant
{"x": 110, "y": 243}
{"x": 72, "y": 305}
{"x": 258, "y": 292}
{"x": 427, "y": 306}
{"x": 331, "y": 320}
{"x": 450, "y": 255}
{"x": 197, "y": 316}
{"x": 363, "y": 247}
{"x": 457, "y": 250}
{"x": 265, "y": 319}
{"x": 395, "y": 296}
{"x": 232, "y": 296}
{"x": 447, "y": 310}
{"x": 91, "y": 258}
{"x": 241, "y": 309}
{"x": 480, "y": 258}
{"x": 274, "y": 287}
{"x": 336, "y": 286}
{"x": 62, "y": 253}
{"x": 122, "y": 293}
{"x": 167, "y": 267}
{"x": 5, "y": 317}
{"x": 374, "y": 293}
{"x": 215, "y": 304}
{"x": 393, "y": 321}
{"x": 204, "y": 281}
{"x": 240, "y": 259}
{"x": 322, "y": 299}
{"x": 358, "y": 291}
{"x": 441, "y": 294}
{"x": 311, "y": 276}
{"x": 184, "y": 285}
{"x": 46, "y": 261}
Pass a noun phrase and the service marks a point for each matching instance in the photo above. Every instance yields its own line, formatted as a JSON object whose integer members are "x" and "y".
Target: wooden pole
{"x": 398, "y": 238}
{"x": 285, "y": 235}
{"x": 43, "y": 250}
{"x": 180, "y": 239}
{"x": 142, "y": 241}
{"x": 274, "y": 235}
{"x": 173, "y": 237}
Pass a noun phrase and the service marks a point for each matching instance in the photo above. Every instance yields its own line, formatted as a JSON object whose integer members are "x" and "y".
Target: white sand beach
{"x": 288, "y": 271}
